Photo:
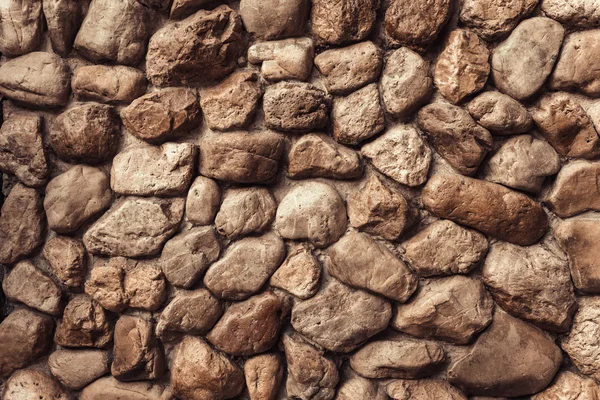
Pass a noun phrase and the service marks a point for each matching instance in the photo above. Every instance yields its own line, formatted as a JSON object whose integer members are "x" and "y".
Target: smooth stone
{"x": 67, "y": 259}
{"x": 274, "y": 19}
{"x": 500, "y": 113}
{"x": 580, "y": 343}
{"x": 112, "y": 84}
{"x": 84, "y": 324}
{"x": 423, "y": 389}
{"x": 343, "y": 21}
{"x": 108, "y": 388}
{"x": 574, "y": 189}
{"x": 33, "y": 384}
{"x": 203, "y": 201}
{"x": 577, "y": 67}
{"x": 495, "y": 18}
{"x": 358, "y": 116}
{"x": 299, "y": 274}
{"x": 29, "y": 285}
{"x": 76, "y": 369}
{"x": 283, "y": 59}
{"x": 264, "y": 374}
{"x": 245, "y": 211}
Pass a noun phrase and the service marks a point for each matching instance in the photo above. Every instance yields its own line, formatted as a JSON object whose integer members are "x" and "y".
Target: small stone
{"x": 313, "y": 211}
{"x": 67, "y": 257}
{"x": 245, "y": 211}
{"x": 495, "y": 18}
{"x": 577, "y": 68}
{"x": 273, "y": 19}
{"x": 22, "y": 151}
{"x": 521, "y": 63}
{"x": 145, "y": 287}
{"x": 183, "y": 8}
{"x": 423, "y": 389}
{"x": 284, "y": 59}
{"x": 75, "y": 197}
{"x": 21, "y": 27}
{"x": 500, "y": 113}
{"x": 574, "y": 190}
{"x": 78, "y": 368}
{"x": 405, "y": 84}
{"x": 203, "y": 201}
{"x": 108, "y": 388}
{"x": 488, "y": 207}
{"x": 111, "y": 84}
{"x": 264, "y": 374}
{"x": 299, "y": 274}
{"x": 245, "y": 267}
{"x": 63, "y": 18}
{"x": 33, "y": 384}
{"x": 29, "y": 285}
{"x": 445, "y": 248}
{"x": 105, "y": 285}
{"x": 340, "y": 318}
{"x": 570, "y": 386}
{"x": 343, "y": 21}
{"x": 580, "y": 344}
{"x": 84, "y": 324}
{"x": 415, "y": 24}
{"x": 576, "y": 13}
{"x": 359, "y": 388}
{"x": 358, "y": 116}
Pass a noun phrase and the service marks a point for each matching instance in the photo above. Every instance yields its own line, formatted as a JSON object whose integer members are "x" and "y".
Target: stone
{"x": 115, "y": 32}
{"x": 343, "y": 21}
{"x": 284, "y": 59}
{"x": 574, "y": 190}
{"x": 112, "y": 84}
{"x": 86, "y": 133}
{"x": 186, "y": 257}
{"x": 22, "y": 224}
{"x": 295, "y": 107}
{"x": 453, "y": 309}
{"x": 358, "y": 116}
{"x": 490, "y": 368}
{"x": 495, "y": 18}
{"x": 401, "y": 154}
{"x": 522, "y": 62}
{"x": 29, "y": 285}
{"x": 500, "y": 113}
{"x": 22, "y": 151}
{"x": 241, "y": 157}
{"x": 159, "y": 5}
{"x": 569, "y": 386}
{"x": 76, "y": 369}
{"x": 137, "y": 354}
{"x": 33, "y": 384}
{"x": 319, "y": 156}
{"x": 445, "y": 248}
{"x": 314, "y": 211}
{"x": 340, "y": 318}
{"x": 245, "y": 211}
{"x": 145, "y": 287}
{"x": 84, "y": 324}
{"x": 264, "y": 374}
{"x": 359, "y": 388}
{"x": 361, "y": 262}
{"x": 311, "y": 375}
{"x": 423, "y": 389}
{"x": 576, "y": 68}
{"x": 198, "y": 372}
{"x": 251, "y": 326}
{"x": 455, "y": 136}
{"x": 25, "y": 336}
{"x": 299, "y": 274}
{"x": 135, "y": 227}
{"x": 462, "y": 67}
{"x": 581, "y": 342}
{"x": 36, "y": 79}
{"x": 209, "y": 41}
{"x": 63, "y": 18}
{"x": 108, "y": 388}
{"x": 21, "y": 27}
{"x": 245, "y": 266}
{"x": 75, "y": 197}
{"x": 522, "y": 163}
{"x": 576, "y": 13}
{"x": 405, "y": 84}
{"x": 488, "y": 207}
{"x": 183, "y": 8}
{"x": 273, "y": 19}
{"x": 203, "y": 201}
{"x": 67, "y": 259}
{"x": 106, "y": 285}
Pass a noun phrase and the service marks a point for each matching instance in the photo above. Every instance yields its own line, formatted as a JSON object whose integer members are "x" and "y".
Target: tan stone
{"x": 576, "y": 68}
{"x": 78, "y": 368}
{"x": 67, "y": 258}
{"x": 21, "y": 26}
{"x": 264, "y": 374}
{"x": 203, "y": 201}
{"x": 577, "y": 13}
{"x": 570, "y": 386}
{"x": 299, "y": 274}
{"x": 574, "y": 190}
{"x": 111, "y": 84}
{"x": 283, "y": 59}
{"x": 495, "y": 18}
{"x": 105, "y": 285}
{"x": 33, "y": 384}
{"x": 582, "y": 341}
{"x": 273, "y": 19}
{"x": 84, "y": 324}
{"x": 359, "y": 388}
{"x": 145, "y": 287}
{"x": 500, "y": 113}
{"x": 245, "y": 211}
{"x": 358, "y": 116}
{"x": 108, "y": 388}
{"x": 63, "y": 18}
{"x": 423, "y": 389}
{"x": 29, "y": 285}
{"x": 342, "y": 21}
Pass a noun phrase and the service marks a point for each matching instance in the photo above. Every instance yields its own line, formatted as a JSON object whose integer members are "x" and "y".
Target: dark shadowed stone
{"x": 84, "y": 324}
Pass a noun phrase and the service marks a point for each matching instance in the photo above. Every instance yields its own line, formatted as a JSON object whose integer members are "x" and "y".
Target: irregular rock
{"x": 313, "y": 211}
{"x": 108, "y": 388}
{"x": 343, "y": 21}
{"x": 183, "y": 8}
{"x": 29, "y": 285}
{"x": 455, "y": 136}
{"x": 500, "y": 114}
{"x": 84, "y": 324}
{"x": 21, "y": 27}
{"x": 245, "y": 267}
{"x": 521, "y": 63}
{"x": 488, "y": 207}
{"x": 145, "y": 287}
{"x": 574, "y": 190}
{"x": 272, "y": 19}
{"x": 67, "y": 258}
{"x": 75, "y": 197}
{"x": 264, "y": 374}
{"x": 33, "y": 384}
{"x": 108, "y": 84}
{"x": 78, "y": 368}
{"x": 576, "y": 13}
{"x": 203, "y": 201}
{"x": 423, "y": 389}
{"x": 357, "y": 117}
{"x": 495, "y": 18}
{"x": 581, "y": 343}
{"x": 63, "y": 18}
{"x": 576, "y": 68}
{"x": 160, "y": 5}
{"x": 105, "y": 285}
{"x": 284, "y": 59}
{"x": 340, "y": 318}
{"x": 299, "y": 274}
{"x": 359, "y": 388}
{"x": 245, "y": 211}
{"x": 570, "y": 386}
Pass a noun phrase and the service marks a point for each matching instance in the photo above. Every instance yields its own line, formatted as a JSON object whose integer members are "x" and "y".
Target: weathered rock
{"x": 491, "y": 367}
{"x": 203, "y": 201}
{"x": 455, "y": 136}
{"x": 245, "y": 211}
{"x": 245, "y": 267}
{"x": 577, "y": 68}
{"x": 340, "y": 318}
{"x": 108, "y": 84}
{"x": 36, "y": 79}
{"x": 21, "y": 27}
{"x": 313, "y": 211}
{"x": 272, "y": 19}
{"x": 63, "y": 18}
{"x": 264, "y": 374}
{"x": 29, "y": 285}
{"x": 33, "y": 384}
{"x": 495, "y": 18}
{"x": 574, "y": 190}
{"x": 521, "y": 63}
{"x": 500, "y": 113}
{"x": 108, "y": 388}
{"x": 299, "y": 274}
{"x": 67, "y": 258}
{"x": 577, "y": 13}
{"x": 209, "y": 41}
{"x": 106, "y": 285}
{"x": 75, "y": 197}
{"x": 359, "y": 388}
{"x": 284, "y": 59}
{"x": 145, "y": 287}
{"x": 358, "y": 116}
{"x": 78, "y": 368}
{"x": 84, "y": 324}
{"x": 488, "y": 207}
{"x": 570, "y": 386}
{"x": 183, "y": 8}
{"x": 343, "y": 21}
{"x": 581, "y": 343}
{"x": 423, "y": 389}
{"x": 159, "y": 5}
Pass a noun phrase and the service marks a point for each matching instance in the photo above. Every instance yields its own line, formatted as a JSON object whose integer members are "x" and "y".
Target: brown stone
{"x": 111, "y": 84}
{"x": 84, "y": 324}
{"x": 145, "y": 287}
{"x": 29, "y": 285}
{"x": 577, "y": 67}
{"x": 581, "y": 342}
{"x": 494, "y": 19}
{"x": 21, "y": 27}
{"x": 203, "y": 201}
{"x": 67, "y": 258}
{"x": 106, "y": 285}
{"x": 570, "y": 386}
{"x": 264, "y": 374}
{"x": 359, "y": 388}
{"x": 574, "y": 190}
{"x": 299, "y": 274}
{"x": 78, "y": 368}
{"x": 245, "y": 211}
{"x": 577, "y": 13}
{"x": 272, "y": 19}
{"x": 500, "y": 113}
{"x": 423, "y": 389}
{"x": 33, "y": 384}
{"x": 283, "y": 59}
{"x": 358, "y": 116}
{"x": 183, "y": 8}
{"x": 342, "y": 21}
{"x": 108, "y": 388}
{"x": 63, "y": 18}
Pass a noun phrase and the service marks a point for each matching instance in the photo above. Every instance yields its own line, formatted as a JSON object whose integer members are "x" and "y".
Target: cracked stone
{"x": 495, "y": 18}
{"x": 245, "y": 211}
{"x": 203, "y": 201}
{"x": 84, "y": 324}
{"x": 575, "y": 189}
{"x": 76, "y": 369}
{"x": 284, "y": 59}
{"x": 112, "y": 84}
{"x": 21, "y": 27}
{"x": 299, "y": 274}
{"x": 581, "y": 343}
{"x": 29, "y": 285}
{"x": 358, "y": 116}
{"x": 264, "y": 374}
{"x": 342, "y": 21}
{"x": 63, "y": 19}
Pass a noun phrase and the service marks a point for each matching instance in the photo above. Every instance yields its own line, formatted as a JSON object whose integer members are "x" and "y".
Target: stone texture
{"x": 33, "y": 384}
{"x": 264, "y": 374}
{"x": 574, "y": 190}
{"x": 108, "y": 84}
{"x": 283, "y": 59}
{"x": 359, "y": 388}
{"x": 63, "y": 18}
{"x": 423, "y": 389}
{"x": 21, "y": 27}
{"x": 358, "y": 116}
{"x": 183, "y": 8}
{"x": 500, "y": 113}
{"x": 108, "y": 388}
{"x": 299, "y": 274}
{"x": 105, "y": 285}
{"x": 245, "y": 211}
{"x": 273, "y": 19}
{"x": 495, "y": 18}
{"x": 343, "y": 21}
{"x": 581, "y": 343}
{"x": 78, "y": 368}
{"x": 488, "y": 207}
{"x": 577, "y": 13}
{"x": 577, "y": 68}
{"x": 203, "y": 201}
{"x": 145, "y": 287}
{"x": 67, "y": 259}
{"x": 29, "y": 285}
{"x": 570, "y": 386}
{"x": 84, "y": 324}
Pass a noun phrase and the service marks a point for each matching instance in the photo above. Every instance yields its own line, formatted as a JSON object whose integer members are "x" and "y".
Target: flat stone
{"x": 209, "y": 41}
{"x": 400, "y": 153}
{"x": 245, "y": 267}
{"x": 500, "y": 113}
{"x": 522, "y": 62}
{"x": 67, "y": 259}
{"x": 29, "y": 285}
{"x": 63, "y": 19}
{"x": 358, "y": 116}
{"x": 21, "y": 27}
{"x": 314, "y": 211}
{"x": 299, "y": 274}
{"x": 111, "y": 84}
{"x": 343, "y": 21}
{"x": 359, "y": 388}
{"x": 405, "y": 84}
{"x": 581, "y": 342}
{"x": 33, "y": 384}
{"x": 283, "y": 59}
{"x": 273, "y": 19}
{"x": 36, "y": 79}
{"x": 145, "y": 287}
{"x": 423, "y": 389}
{"x": 488, "y": 207}
{"x": 106, "y": 285}
{"x": 569, "y": 386}
{"x": 264, "y": 374}
{"x": 574, "y": 190}
{"x": 491, "y": 368}
{"x": 78, "y": 368}
{"x": 84, "y": 324}
{"x": 576, "y": 68}
{"x": 455, "y": 136}
{"x": 135, "y": 227}
{"x": 203, "y": 201}
{"x": 576, "y": 13}
{"x": 453, "y": 309}
{"x": 340, "y": 318}
{"x": 245, "y": 211}
{"x": 22, "y": 151}
{"x": 75, "y": 197}
{"x": 108, "y": 388}
{"x": 495, "y": 18}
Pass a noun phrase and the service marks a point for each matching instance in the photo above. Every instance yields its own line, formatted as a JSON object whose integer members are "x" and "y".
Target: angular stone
{"x": 29, "y": 285}
{"x": 87, "y": 133}
{"x": 84, "y": 324}
{"x": 423, "y": 389}
{"x": 106, "y": 285}
{"x": 577, "y": 67}
{"x": 359, "y": 388}
{"x": 570, "y": 386}
{"x": 488, "y": 207}
{"x": 313, "y": 211}
{"x": 342, "y": 21}
{"x": 284, "y": 59}
{"x": 521, "y": 63}
{"x": 574, "y": 190}
{"x": 245, "y": 267}
{"x": 245, "y": 211}
{"x": 494, "y": 19}
{"x": 63, "y": 18}
{"x": 500, "y": 113}
{"x": 67, "y": 258}
{"x": 319, "y": 156}
{"x": 340, "y": 318}
{"x": 33, "y": 384}
{"x": 108, "y": 388}
{"x": 36, "y": 79}
{"x": 135, "y": 227}
{"x": 264, "y": 374}
{"x": 115, "y": 32}
{"x": 111, "y": 84}
{"x": 576, "y": 13}
{"x": 299, "y": 274}
{"x": 445, "y": 248}
{"x": 75, "y": 197}
{"x": 581, "y": 342}
{"x": 241, "y": 157}
{"x": 358, "y": 116}
{"x": 491, "y": 368}
{"x": 405, "y": 84}
{"x": 78, "y": 368}
{"x": 455, "y": 136}
{"x": 21, "y": 27}
{"x": 183, "y": 8}
{"x": 272, "y": 19}
{"x": 209, "y": 41}
{"x": 203, "y": 201}
{"x": 145, "y": 287}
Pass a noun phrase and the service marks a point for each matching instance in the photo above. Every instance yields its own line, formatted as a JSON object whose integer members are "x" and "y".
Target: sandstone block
{"x": 576, "y": 68}
{"x": 573, "y": 191}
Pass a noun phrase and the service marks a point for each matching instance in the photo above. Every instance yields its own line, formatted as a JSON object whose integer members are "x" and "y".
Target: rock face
{"x": 84, "y": 324}
{"x": 573, "y": 191}
{"x": 357, "y": 117}
{"x": 570, "y": 386}
{"x": 29, "y": 285}
{"x": 21, "y": 27}
{"x": 504, "y": 214}
{"x": 67, "y": 258}
{"x": 495, "y": 18}
{"x": 283, "y": 59}
{"x": 33, "y": 384}
{"x": 358, "y": 388}
{"x": 264, "y": 374}
{"x": 343, "y": 21}
{"x": 424, "y": 389}
{"x": 108, "y": 84}
{"x": 299, "y": 274}
{"x": 244, "y": 211}
{"x": 203, "y": 201}
{"x": 500, "y": 114}
{"x": 576, "y": 68}
{"x": 577, "y": 13}
{"x": 581, "y": 341}
{"x": 108, "y": 388}
{"x": 274, "y": 19}
{"x": 63, "y": 18}
{"x": 78, "y": 368}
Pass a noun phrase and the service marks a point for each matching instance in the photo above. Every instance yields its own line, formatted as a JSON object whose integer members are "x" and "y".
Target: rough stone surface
{"x": 570, "y": 386}
{"x": 577, "y": 68}
{"x": 577, "y": 13}
{"x": 108, "y": 388}
{"x": 63, "y": 18}
{"x": 264, "y": 374}
{"x": 273, "y": 19}
{"x": 245, "y": 211}
{"x": 359, "y": 388}
{"x": 343, "y": 21}
{"x": 145, "y": 287}
{"x": 29, "y": 285}
{"x": 78, "y": 368}
{"x": 33, "y": 384}
{"x": 108, "y": 84}
{"x": 84, "y": 324}
{"x": 67, "y": 259}
{"x": 21, "y": 27}
{"x": 284, "y": 59}
{"x": 574, "y": 190}
{"x": 105, "y": 285}
{"x": 183, "y": 8}
{"x": 423, "y": 389}
{"x": 299, "y": 274}
{"x": 358, "y": 116}
{"x": 203, "y": 201}
{"x": 581, "y": 343}
{"x": 500, "y": 113}
{"x": 495, "y": 18}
